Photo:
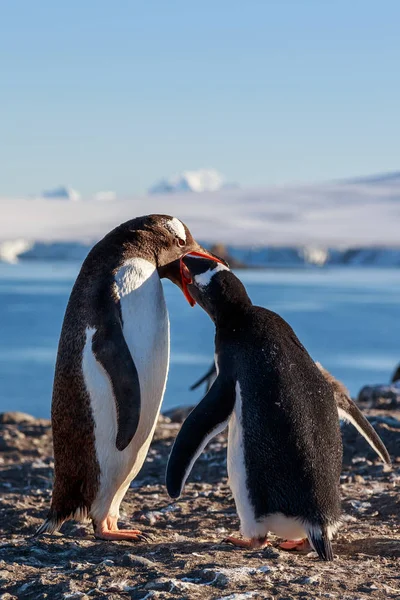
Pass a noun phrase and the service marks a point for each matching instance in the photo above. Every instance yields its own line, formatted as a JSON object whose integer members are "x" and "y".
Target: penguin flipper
{"x": 111, "y": 350}
{"x": 207, "y": 420}
{"x": 349, "y": 411}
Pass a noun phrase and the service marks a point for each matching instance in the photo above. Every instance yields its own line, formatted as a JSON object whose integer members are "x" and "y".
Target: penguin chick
{"x": 284, "y": 441}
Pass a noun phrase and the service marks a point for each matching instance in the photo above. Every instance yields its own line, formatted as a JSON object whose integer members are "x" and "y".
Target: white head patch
{"x": 204, "y": 278}
{"x": 174, "y": 225}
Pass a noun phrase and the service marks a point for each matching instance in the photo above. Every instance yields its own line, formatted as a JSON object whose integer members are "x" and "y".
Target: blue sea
{"x": 348, "y": 319}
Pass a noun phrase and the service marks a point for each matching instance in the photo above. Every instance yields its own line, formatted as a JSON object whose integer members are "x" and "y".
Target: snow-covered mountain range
{"x": 62, "y": 192}
{"x": 202, "y": 180}
{"x": 345, "y": 222}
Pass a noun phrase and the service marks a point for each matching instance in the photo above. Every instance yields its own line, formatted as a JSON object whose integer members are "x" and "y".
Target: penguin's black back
{"x": 291, "y": 434}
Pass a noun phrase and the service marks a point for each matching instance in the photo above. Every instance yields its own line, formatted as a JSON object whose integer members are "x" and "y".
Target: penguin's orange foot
{"x": 132, "y": 535}
{"x": 298, "y": 545}
{"x": 251, "y": 544}
{"x": 108, "y": 530}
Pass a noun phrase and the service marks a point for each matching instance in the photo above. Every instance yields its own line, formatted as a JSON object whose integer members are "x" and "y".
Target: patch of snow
{"x": 10, "y": 250}
{"x": 315, "y": 256}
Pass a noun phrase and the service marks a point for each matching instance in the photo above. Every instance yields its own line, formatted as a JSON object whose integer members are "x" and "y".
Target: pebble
{"x": 359, "y": 479}
{"x": 4, "y": 576}
{"x": 151, "y": 594}
{"x": 360, "y": 507}
{"x": 222, "y": 576}
{"x": 171, "y": 585}
{"x": 313, "y": 579}
{"x": 130, "y": 560}
{"x": 239, "y": 596}
{"x": 270, "y": 552}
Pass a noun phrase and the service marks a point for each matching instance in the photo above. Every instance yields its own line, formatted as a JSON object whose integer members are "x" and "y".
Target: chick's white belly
{"x": 237, "y": 472}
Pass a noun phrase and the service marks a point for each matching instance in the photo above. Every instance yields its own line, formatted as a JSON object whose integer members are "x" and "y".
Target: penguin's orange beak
{"x": 186, "y": 276}
{"x": 185, "y": 279}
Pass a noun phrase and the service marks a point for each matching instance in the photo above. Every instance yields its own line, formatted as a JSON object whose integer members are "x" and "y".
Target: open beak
{"x": 186, "y": 276}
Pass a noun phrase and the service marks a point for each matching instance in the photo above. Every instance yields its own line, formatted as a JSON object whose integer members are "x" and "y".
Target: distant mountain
{"x": 335, "y": 222}
{"x": 62, "y": 192}
{"x": 237, "y": 256}
{"x": 379, "y": 179}
{"x": 202, "y": 180}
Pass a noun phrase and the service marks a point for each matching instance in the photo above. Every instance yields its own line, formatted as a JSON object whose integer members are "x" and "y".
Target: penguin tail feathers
{"x": 320, "y": 541}
{"x": 55, "y": 520}
{"x": 50, "y": 525}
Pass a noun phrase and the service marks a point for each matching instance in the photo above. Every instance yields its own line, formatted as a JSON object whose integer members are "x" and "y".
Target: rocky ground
{"x": 187, "y": 558}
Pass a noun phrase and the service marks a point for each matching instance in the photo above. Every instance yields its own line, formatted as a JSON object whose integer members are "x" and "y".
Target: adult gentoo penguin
{"x": 284, "y": 442}
{"x": 111, "y": 371}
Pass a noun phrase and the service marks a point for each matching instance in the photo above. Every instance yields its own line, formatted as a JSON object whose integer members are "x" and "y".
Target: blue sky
{"x": 113, "y": 95}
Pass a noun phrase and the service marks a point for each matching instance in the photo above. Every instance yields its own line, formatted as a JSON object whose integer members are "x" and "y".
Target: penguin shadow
{"x": 369, "y": 546}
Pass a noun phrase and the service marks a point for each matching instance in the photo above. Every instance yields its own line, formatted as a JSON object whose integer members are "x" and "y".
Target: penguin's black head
{"x": 212, "y": 284}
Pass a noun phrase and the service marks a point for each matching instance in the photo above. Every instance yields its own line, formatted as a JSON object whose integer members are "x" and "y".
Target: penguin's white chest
{"x": 237, "y": 470}
{"x": 146, "y": 332}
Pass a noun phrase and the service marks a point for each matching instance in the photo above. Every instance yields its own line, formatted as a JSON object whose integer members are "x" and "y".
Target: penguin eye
{"x": 181, "y": 242}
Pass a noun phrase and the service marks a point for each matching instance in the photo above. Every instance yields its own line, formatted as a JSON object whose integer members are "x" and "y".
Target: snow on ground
{"x": 334, "y": 215}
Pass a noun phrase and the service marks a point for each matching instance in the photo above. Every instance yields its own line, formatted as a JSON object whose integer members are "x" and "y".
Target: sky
{"x": 113, "y": 95}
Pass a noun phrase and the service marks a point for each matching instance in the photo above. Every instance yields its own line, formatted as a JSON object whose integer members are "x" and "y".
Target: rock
{"x": 171, "y": 585}
{"x": 221, "y": 251}
{"x": 15, "y": 418}
{"x": 270, "y": 552}
{"x": 130, "y": 560}
{"x": 239, "y": 596}
{"x": 163, "y": 419}
{"x": 380, "y": 396}
{"x": 179, "y": 414}
{"x": 387, "y": 427}
{"x": 396, "y": 374}
{"x": 221, "y": 576}
{"x": 314, "y": 580}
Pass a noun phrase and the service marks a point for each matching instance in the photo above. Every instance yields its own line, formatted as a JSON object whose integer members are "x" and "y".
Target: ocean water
{"x": 348, "y": 319}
